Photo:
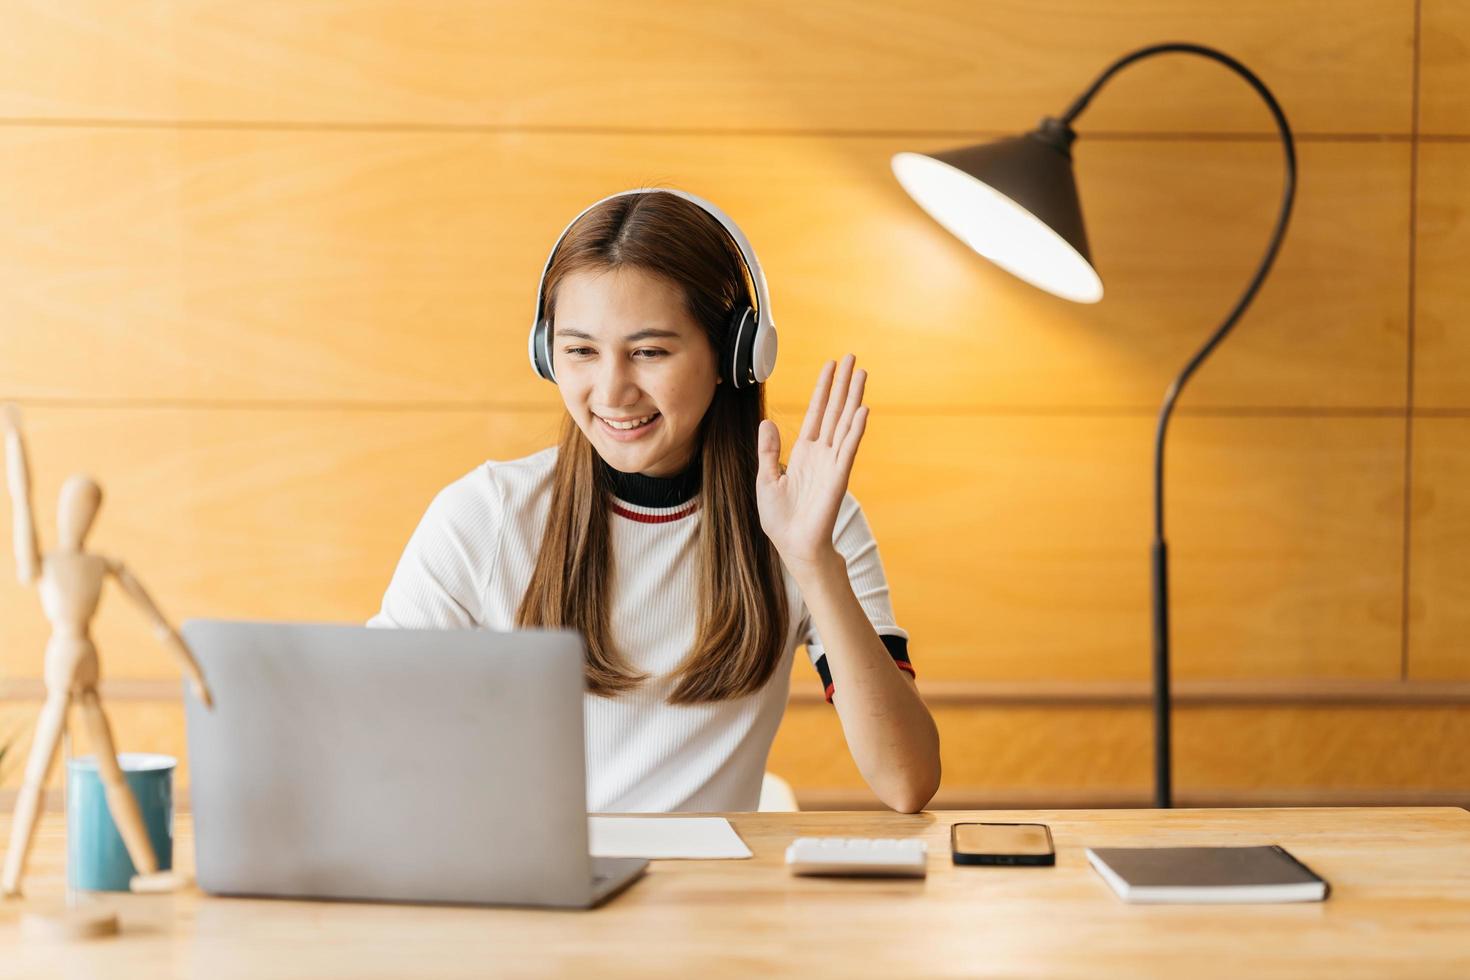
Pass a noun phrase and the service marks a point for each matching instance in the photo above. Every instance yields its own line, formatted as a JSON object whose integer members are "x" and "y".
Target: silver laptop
{"x": 344, "y": 762}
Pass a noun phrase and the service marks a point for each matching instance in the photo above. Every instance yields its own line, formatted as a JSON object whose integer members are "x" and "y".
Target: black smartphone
{"x": 1026, "y": 844}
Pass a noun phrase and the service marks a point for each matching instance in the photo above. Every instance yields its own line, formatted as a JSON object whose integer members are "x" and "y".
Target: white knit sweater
{"x": 469, "y": 562}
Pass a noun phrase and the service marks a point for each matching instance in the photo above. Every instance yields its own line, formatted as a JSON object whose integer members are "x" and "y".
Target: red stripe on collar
{"x": 634, "y": 515}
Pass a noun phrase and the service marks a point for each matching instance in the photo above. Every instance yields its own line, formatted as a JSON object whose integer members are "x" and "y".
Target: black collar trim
{"x": 653, "y": 491}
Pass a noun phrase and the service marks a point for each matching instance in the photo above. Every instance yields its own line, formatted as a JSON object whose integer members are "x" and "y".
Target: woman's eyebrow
{"x": 631, "y": 338}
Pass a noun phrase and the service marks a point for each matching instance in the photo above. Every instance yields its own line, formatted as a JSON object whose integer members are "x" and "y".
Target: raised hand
{"x": 18, "y": 476}
{"x": 798, "y": 508}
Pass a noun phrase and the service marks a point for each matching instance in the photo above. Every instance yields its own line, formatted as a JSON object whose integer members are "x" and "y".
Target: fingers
{"x": 836, "y": 398}
{"x": 810, "y": 424}
{"x": 849, "y": 409}
{"x": 768, "y": 451}
{"x": 847, "y": 452}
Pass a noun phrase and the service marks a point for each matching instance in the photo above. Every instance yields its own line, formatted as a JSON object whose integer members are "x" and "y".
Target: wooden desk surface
{"x": 1400, "y": 906}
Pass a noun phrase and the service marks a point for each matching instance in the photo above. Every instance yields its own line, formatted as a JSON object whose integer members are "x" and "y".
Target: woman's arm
{"x": 889, "y": 731}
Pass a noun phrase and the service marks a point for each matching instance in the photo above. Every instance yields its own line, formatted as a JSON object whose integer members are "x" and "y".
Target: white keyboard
{"x": 902, "y": 858}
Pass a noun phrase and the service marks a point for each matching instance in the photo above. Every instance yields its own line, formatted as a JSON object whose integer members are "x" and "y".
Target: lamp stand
{"x": 1163, "y": 781}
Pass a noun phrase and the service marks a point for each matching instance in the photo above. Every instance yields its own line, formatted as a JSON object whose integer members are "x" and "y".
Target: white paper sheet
{"x": 665, "y": 837}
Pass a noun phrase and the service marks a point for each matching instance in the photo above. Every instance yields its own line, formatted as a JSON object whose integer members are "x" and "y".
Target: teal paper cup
{"x": 96, "y": 859}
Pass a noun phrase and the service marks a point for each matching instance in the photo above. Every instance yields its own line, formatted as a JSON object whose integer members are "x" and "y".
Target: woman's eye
{"x": 578, "y": 351}
{"x": 650, "y": 352}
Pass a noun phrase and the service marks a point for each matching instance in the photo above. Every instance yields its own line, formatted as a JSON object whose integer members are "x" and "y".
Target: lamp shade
{"x": 1015, "y": 202}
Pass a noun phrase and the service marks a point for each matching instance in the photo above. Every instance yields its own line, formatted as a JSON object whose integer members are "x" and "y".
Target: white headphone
{"x": 751, "y": 335}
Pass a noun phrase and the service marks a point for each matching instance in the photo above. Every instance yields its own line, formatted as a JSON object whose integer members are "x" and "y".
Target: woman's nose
{"x": 615, "y": 386}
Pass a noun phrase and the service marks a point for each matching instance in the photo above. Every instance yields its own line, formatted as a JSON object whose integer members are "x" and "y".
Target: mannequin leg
{"x": 33, "y": 790}
{"x": 120, "y": 800}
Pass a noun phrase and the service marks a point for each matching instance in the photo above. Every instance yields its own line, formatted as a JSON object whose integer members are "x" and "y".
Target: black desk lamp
{"x": 1015, "y": 202}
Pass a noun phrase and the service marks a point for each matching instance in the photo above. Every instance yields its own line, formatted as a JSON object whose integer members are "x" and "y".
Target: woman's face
{"x": 635, "y": 370}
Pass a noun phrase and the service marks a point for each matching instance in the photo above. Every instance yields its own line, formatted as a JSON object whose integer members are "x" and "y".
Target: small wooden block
{"x": 158, "y": 883}
{"x": 59, "y": 923}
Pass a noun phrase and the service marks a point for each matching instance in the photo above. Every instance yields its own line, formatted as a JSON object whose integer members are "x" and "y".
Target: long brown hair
{"x": 740, "y": 631}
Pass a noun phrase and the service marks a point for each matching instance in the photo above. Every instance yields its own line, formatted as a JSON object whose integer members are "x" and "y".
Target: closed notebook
{"x": 1188, "y": 875}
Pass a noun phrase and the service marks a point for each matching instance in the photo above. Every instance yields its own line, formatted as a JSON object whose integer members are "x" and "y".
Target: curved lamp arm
{"x": 1162, "y": 780}
{"x": 1288, "y": 196}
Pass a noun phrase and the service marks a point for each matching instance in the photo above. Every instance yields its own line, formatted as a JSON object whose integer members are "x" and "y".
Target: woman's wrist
{"x": 815, "y": 569}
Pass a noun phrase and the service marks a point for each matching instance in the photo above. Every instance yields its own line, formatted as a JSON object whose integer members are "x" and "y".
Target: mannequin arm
{"x": 163, "y": 630}
{"x": 27, "y": 550}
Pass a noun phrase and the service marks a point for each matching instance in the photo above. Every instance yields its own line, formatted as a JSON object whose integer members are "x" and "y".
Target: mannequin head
{"x": 81, "y": 497}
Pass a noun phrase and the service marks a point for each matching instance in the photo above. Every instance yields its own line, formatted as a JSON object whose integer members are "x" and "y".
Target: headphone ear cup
{"x": 741, "y": 346}
{"x": 763, "y": 354}
{"x": 541, "y": 350}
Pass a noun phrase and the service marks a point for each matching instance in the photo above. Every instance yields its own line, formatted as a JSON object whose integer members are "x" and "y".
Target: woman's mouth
{"x": 628, "y": 429}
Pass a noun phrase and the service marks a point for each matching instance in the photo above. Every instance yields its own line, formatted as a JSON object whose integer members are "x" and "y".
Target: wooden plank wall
{"x": 268, "y": 268}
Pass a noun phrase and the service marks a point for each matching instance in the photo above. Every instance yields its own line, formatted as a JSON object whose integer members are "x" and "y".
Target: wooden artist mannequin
{"x": 71, "y": 580}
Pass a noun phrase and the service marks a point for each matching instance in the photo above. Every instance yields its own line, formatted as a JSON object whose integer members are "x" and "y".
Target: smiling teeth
{"x": 635, "y": 423}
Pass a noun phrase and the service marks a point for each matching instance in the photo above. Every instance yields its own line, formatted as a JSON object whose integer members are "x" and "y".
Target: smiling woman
{"x": 664, "y": 529}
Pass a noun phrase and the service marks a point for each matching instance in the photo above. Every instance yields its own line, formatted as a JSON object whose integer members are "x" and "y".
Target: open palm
{"x": 798, "y": 507}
